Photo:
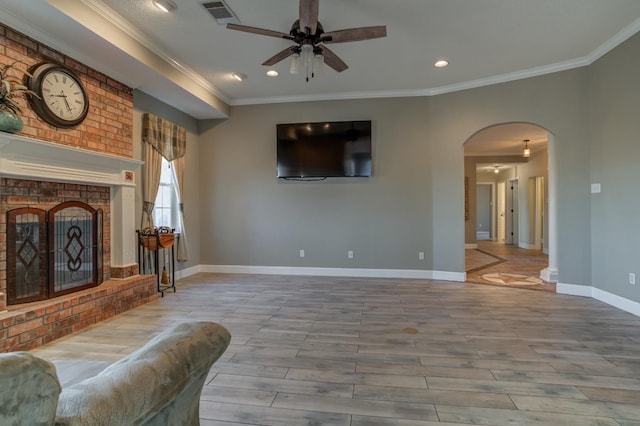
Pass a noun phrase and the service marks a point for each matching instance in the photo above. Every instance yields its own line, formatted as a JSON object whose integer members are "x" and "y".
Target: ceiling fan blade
{"x": 332, "y": 60}
{"x": 309, "y": 15}
{"x": 354, "y": 34}
{"x": 278, "y": 57}
{"x": 260, "y": 31}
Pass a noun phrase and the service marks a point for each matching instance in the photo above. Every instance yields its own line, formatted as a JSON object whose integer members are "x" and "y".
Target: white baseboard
{"x": 459, "y": 277}
{"x": 483, "y": 235}
{"x": 549, "y": 274}
{"x": 617, "y": 301}
{"x": 574, "y": 289}
{"x": 601, "y": 295}
{"x": 337, "y": 272}
{"x": 471, "y": 246}
{"x": 184, "y": 273}
{"x": 527, "y": 246}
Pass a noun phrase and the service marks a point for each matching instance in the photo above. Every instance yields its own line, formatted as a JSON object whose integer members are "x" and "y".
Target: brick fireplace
{"x": 36, "y": 174}
{"x": 92, "y": 163}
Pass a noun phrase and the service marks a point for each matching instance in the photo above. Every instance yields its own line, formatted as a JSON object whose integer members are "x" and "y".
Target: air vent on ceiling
{"x": 221, "y": 12}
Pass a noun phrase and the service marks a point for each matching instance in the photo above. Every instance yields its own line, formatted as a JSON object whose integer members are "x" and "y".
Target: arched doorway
{"x": 509, "y": 203}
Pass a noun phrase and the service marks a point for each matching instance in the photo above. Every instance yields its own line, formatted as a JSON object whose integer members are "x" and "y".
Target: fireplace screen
{"x": 54, "y": 253}
{"x": 72, "y": 253}
{"x": 27, "y": 263}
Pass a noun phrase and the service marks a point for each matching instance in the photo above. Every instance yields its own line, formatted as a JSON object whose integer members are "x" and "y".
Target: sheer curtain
{"x": 178, "y": 174}
{"x": 152, "y": 170}
{"x": 162, "y": 138}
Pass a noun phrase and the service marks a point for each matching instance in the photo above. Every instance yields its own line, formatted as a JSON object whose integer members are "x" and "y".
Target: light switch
{"x": 596, "y": 188}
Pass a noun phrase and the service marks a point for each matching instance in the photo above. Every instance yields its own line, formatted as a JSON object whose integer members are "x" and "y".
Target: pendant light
{"x": 526, "y": 151}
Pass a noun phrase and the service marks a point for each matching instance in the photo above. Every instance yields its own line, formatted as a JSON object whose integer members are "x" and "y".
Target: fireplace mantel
{"x": 27, "y": 158}
{"x": 31, "y": 159}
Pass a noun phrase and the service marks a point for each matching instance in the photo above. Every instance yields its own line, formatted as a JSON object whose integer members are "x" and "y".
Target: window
{"x": 165, "y": 211}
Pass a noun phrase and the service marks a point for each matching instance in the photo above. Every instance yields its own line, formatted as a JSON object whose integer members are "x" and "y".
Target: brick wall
{"x": 107, "y": 129}
{"x": 109, "y": 123}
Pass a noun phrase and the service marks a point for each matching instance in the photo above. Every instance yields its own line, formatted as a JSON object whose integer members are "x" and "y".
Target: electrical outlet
{"x": 420, "y": 255}
{"x": 350, "y": 254}
{"x": 301, "y": 253}
{"x": 632, "y": 278}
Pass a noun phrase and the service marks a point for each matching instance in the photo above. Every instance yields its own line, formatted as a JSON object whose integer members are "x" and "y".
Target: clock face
{"x": 62, "y": 100}
{"x": 63, "y": 95}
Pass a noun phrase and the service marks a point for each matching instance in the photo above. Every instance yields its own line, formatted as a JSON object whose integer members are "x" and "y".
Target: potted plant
{"x": 11, "y": 88}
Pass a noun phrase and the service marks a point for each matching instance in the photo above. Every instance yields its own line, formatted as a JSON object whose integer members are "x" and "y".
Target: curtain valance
{"x": 169, "y": 139}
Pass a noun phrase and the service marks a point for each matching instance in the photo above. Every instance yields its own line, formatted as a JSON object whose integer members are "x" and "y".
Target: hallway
{"x": 506, "y": 265}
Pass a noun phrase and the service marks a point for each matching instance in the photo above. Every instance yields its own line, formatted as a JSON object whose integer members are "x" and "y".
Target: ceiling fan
{"x": 310, "y": 40}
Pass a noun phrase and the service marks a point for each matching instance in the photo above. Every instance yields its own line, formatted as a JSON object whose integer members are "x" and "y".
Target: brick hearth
{"x": 29, "y": 326}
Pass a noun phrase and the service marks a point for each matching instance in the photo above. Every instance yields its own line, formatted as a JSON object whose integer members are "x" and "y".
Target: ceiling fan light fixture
{"x": 526, "y": 151}
{"x": 307, "y": 51}
{"x": 318, "y": 61}
{"x": 165, "y": 5}
{"x": 307, "y": 33}
{"x": 295, "y": 62}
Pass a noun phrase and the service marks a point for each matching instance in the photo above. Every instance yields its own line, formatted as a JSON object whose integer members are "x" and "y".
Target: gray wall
{"x": 415, "y": 199}
{"x": 555, "y": 102}
{"x": 255, "y": 219}
{"x": 615, "y": 151}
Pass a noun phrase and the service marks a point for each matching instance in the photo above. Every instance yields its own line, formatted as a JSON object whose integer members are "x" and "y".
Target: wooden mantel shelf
{"x": 27, "y": 158}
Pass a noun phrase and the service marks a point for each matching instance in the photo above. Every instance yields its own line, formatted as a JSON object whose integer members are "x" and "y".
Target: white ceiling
{"x": 186, "y": 59}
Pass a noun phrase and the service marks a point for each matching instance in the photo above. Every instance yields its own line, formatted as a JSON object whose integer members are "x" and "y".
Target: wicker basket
{"x": 151, "y": 238}
{"x": 166, "y": 237}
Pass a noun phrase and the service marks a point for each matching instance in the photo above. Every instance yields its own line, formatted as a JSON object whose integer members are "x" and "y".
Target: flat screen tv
{"x": 321, "y": 150}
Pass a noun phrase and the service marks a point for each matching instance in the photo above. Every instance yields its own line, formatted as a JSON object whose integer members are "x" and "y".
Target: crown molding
{"x": 32, "y": 31}
{"x": 593, "y": 56}
{"x": 125, "y": 26}
{"x": 21, "y": 24}
{"x": 497, "y": 79}
{"x": 615, "y": 41}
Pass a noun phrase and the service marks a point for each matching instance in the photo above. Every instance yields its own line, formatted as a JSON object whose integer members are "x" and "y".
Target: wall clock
{"x": 63, "y": 100}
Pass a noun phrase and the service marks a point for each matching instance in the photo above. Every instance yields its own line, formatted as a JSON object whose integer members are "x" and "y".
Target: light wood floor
{"x": 382, "y": 352}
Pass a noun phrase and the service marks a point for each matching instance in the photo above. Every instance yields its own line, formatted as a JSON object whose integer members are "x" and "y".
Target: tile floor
{"x": 506, "y": 265}
{"x": 389, "y": 352}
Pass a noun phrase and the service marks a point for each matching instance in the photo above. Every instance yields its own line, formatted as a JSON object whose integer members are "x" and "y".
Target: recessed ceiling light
{"x": 273, "y": 73}
{"x": 441, "y": 63}
{"x": 238, "y": 76}
{"x": 165, "y": 5}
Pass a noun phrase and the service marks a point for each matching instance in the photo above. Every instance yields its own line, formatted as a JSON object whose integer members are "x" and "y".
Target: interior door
{"x": 501, "y": 209}
{"x": 512, "y": 213}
